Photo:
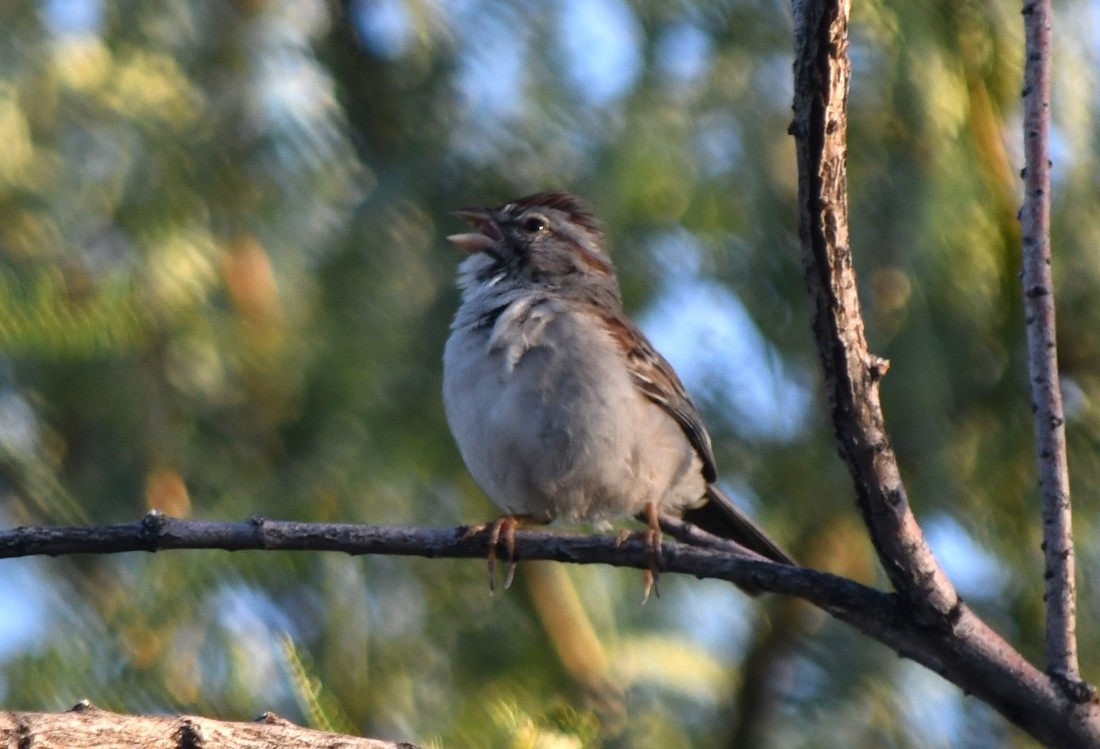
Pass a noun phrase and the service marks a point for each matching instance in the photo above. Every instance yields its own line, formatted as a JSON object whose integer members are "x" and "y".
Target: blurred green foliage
{"x": 224, "y": 293}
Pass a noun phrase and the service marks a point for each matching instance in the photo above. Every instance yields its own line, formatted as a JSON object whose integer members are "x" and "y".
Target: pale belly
{"x": 555, "y": 431}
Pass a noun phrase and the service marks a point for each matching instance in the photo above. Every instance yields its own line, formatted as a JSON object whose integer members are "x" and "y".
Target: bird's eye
{"x": 535, "y": 224}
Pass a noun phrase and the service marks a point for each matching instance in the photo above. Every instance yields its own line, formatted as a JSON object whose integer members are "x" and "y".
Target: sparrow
{"x": 559, "y": 404}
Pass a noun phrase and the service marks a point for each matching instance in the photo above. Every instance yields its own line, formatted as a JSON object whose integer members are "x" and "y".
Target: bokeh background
{"x": 224, "y": 293}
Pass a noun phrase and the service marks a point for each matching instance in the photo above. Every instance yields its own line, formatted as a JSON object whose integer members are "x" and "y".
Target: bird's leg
{"x": 652, "y": 539}
{"x": 501, "y": 529}
{"x": 653, "y": 550}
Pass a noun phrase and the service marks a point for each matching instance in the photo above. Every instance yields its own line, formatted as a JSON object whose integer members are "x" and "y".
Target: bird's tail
{"x": 722, "y": 518}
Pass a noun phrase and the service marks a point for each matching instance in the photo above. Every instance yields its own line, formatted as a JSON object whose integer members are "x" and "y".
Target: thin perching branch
{"x": 1042, "y": 354}
{"x": 852, "y": 374}
{"x": 968, "y": 653}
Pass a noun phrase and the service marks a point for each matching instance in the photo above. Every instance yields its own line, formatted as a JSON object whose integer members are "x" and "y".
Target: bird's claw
{"x": 503, "y": 529}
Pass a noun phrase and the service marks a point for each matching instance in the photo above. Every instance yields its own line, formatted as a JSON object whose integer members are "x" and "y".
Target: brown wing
{"x": 655, "y": 378}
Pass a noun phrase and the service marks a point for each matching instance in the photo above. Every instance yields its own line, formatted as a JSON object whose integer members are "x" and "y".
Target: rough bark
{"x": 852, "y": 373}
{"x": 87, "y": 726}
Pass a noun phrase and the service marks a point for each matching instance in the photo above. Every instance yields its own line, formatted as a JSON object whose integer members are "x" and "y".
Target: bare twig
{"x": 852, "y": 373}
{"x": 1042, "y": 356}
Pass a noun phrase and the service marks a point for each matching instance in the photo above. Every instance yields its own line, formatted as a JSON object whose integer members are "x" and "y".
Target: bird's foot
{"x": 501, "y": 529}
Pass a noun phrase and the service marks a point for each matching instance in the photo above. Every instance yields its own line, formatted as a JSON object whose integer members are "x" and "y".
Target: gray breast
{"x": 549, "y": 423}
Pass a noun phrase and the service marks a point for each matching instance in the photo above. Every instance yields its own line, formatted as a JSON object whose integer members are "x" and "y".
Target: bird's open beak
{"x": 486, "y": 235}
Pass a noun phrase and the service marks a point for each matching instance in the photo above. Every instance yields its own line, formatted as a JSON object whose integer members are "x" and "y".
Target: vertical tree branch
{"x": 1042, "y": 352}
{"x": 822, "y": 71}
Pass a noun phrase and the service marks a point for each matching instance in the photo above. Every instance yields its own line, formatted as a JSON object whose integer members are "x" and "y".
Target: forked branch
{"x": 852, "y": 373}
